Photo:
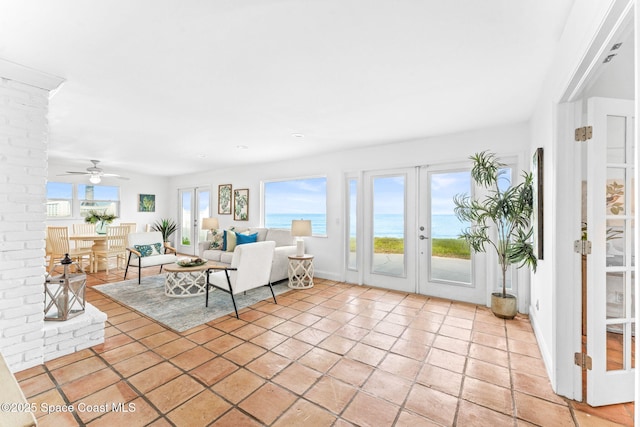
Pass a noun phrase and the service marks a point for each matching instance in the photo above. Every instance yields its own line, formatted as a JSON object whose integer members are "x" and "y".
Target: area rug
{"x": 181, "y": 314}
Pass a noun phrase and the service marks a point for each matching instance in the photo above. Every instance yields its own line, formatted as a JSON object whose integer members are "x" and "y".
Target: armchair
{"x": 148, "y": 250}
{"x": 250, "y": 268}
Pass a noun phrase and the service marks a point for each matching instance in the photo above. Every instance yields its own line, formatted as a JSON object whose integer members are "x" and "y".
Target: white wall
{"x": 129, "y": 191}
{"x": 556, "y": 286}
{"x": 329, "y": 261}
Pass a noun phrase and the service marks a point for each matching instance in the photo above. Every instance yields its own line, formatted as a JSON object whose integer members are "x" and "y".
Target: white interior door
{"x": 194, "y": 205}
{"x": 389, "y": 243}
{"x": 610, "y": 267}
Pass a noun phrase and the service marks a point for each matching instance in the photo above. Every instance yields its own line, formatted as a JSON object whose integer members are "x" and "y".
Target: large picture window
{"x": 304, "y": 198}
{"x": 103, "y": 198}
{"x": 59, "y": 199}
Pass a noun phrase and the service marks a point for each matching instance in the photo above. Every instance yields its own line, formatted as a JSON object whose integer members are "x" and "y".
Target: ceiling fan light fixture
{"x": 94, "y": 179}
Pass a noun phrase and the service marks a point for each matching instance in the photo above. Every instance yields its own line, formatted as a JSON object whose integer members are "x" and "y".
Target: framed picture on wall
{"x": 241, "y": 204}
{"x": 538, "y": 203}
{"x": 224, "y": 199}
{"x": 146, "y": 202}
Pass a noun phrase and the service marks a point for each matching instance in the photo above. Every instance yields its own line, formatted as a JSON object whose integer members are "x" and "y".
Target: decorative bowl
{"x": 191, "y": 262}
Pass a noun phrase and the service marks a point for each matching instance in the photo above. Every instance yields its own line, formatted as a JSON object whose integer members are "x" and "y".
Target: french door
{"x": 611, "y": 283}
{"x": 446, "y": 266}
{"x": 194, "y": 205}
{"x": 389, "y": 243}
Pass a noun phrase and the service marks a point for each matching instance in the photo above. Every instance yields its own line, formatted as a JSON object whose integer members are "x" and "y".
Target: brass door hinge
{"x": 583, "y": 360}
{"x": 583, "y": 247}
{"x": 584, "y": 133}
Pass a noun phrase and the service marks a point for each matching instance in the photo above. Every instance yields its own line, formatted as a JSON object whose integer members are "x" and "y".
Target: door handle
{"x": 421, "y": 237}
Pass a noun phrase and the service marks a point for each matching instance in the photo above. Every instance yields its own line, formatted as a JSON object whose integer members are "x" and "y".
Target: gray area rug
{"x": 181, "y": 314}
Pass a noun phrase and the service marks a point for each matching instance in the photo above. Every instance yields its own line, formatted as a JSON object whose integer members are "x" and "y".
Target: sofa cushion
{"x": 149, "y": 250}
{"x": 262, "y": 232}
{"x": 281, "y": 236}
{"x": 212, "y": 254}
{"x": 226, "y": 257}
{"x": 216, "y": 239}
{"x": 229, "y": 242}
{"x": 242, "y": 238}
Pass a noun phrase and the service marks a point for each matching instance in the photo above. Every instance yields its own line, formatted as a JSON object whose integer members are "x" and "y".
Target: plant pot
{"x": 505, "y": 308}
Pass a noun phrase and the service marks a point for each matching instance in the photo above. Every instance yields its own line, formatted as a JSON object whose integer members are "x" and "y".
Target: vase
{"x": 101, "y": 227}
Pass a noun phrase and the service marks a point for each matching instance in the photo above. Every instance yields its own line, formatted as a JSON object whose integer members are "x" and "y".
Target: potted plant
{"x": 100, "y": 219}
{"x": 500, "y": 220}
{"x": 166, "y": 226}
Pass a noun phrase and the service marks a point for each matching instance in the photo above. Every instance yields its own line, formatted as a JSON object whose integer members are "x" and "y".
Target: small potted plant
{"x": 100, "y": 219}
{"x": 166, "y": 226}
{"x": 500, "y": 220}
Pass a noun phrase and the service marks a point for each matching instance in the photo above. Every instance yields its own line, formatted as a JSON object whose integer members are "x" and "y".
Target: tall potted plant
{"x": 166, "y": 226}
{"x": 500, "y": 220}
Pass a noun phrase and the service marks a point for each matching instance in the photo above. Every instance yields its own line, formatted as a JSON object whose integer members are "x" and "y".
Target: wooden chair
{"x": 116, "y": 247}
{"x": 148, "y": 250}
{"x": 83, "y": 229}
{"x": 58, "y": 239}
{"x": 250, "y": 268}
{"x": 132, "y": 226}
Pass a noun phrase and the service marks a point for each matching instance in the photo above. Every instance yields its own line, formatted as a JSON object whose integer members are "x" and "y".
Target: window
{"x": 59, "y": 199}
{"x": 306, "y": 198}
{"x": 98, "y": 197}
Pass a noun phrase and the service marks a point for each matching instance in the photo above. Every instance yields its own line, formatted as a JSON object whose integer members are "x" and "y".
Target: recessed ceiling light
{"x": 297, "y": 135}
{"x": 242, "y": 147}
{"x": 202, "y": 156}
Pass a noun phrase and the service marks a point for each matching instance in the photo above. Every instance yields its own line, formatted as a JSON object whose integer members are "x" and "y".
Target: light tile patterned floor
{"x": 336, "y": 354}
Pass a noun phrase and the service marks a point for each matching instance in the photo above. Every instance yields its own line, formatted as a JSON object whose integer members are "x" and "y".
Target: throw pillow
{"x": 217, "y": 238}
{"x": 229, "y": 243}
{"x": 149, "y": 250}
{"x": 242, "y": 238}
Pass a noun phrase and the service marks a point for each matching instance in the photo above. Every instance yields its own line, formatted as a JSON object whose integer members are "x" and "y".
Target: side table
{"x": 300, "y": 271}
{"x": 186, "y": 281}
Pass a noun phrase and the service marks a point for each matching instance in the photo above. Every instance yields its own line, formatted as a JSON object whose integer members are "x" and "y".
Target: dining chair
{"x": 132, "y": 226}
{"x": 83, "y": 229}
{"x": 58, "y": 239}
{"x": 116, "y": 247}
{"x": 250, "y": 268}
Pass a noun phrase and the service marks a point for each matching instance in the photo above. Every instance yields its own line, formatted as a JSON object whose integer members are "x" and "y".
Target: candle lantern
{"x": 64, "y": 296}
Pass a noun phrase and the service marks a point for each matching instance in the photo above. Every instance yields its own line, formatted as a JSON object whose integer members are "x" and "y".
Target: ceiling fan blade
{"x": 73, "y": 173}
{"x": 114, "y": 175}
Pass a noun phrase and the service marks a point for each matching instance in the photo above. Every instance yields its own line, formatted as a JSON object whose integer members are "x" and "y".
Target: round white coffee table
{"x": 183, "y": 282}
{"x": 300, "y": 271}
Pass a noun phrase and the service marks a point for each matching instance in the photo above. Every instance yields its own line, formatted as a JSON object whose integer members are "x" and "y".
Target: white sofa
{"x": 285, "y": 246}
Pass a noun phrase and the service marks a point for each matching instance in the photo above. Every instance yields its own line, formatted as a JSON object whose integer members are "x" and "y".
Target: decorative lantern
{"x": 64, "y": 296}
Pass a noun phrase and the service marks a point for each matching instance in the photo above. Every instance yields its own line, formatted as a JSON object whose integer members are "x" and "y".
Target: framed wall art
{"x": 146, "y": 202}
{"x": 241, "y": 204}
{"x": 224, "y": 199}
{"x": 538, "y": 203}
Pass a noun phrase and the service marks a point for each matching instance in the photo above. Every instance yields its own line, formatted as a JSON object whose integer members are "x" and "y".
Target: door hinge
{"x": 584, "y": 133}
{"x": 583, "y": 247}
{"x": 583, "y": 360}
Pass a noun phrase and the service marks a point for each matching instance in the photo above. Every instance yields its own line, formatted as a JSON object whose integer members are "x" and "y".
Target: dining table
{"x": 99, "y": 244}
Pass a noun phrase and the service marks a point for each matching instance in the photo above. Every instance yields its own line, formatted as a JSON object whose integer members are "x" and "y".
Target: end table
{"x": 300, "y": 271}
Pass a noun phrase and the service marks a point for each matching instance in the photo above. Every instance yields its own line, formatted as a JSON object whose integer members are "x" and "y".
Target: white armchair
{"x": 250, "y": 268}
{"x": 148, "y": 250}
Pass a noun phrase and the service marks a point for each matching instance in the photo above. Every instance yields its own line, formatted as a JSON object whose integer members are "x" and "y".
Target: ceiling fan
{"x": 95, "y": 173}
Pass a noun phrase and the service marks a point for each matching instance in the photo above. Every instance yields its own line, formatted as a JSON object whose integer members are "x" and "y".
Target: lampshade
{"x": 210, "y": 223}
{"x": 301, "y": 227}
{"x": 94, "y": 179}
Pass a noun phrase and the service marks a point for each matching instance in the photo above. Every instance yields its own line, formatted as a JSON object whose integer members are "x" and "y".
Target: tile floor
{"x": 335, "y": 354}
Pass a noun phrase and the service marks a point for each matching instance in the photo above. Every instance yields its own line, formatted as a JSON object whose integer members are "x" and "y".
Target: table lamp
{"x": 210, "y": 224}
{"x": 299, "y": 229}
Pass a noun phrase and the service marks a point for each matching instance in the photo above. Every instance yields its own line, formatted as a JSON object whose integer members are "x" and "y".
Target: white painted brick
{"x": 13, "y": 274}
{"x": 24, "y": 291}
{"x": 88, "y": 330}
{"x": 22, "y": 311}
{"x": 55, "y": 339}
{"x": 9, "y": 302}
{"x": 23, "y": 235}
{"x": 79, "y": 322}
{"x": 22, "y": 347}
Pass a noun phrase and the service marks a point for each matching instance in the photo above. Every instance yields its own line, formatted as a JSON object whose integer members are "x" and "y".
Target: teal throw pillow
{"x": 149, "y": 250}
{"x": 246, "y": 238}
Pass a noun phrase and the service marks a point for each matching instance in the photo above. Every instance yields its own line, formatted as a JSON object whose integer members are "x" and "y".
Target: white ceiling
{"x": 153, "y": 85}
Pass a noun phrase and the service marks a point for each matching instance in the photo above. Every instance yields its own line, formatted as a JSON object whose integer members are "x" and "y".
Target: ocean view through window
{"x": 304, "y": 198}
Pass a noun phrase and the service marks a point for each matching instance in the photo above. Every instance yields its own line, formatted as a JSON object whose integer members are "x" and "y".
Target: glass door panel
{"x": 194, "y": 206}
{"x": 450, "y": 256}
{"x": 388, "y": 226}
